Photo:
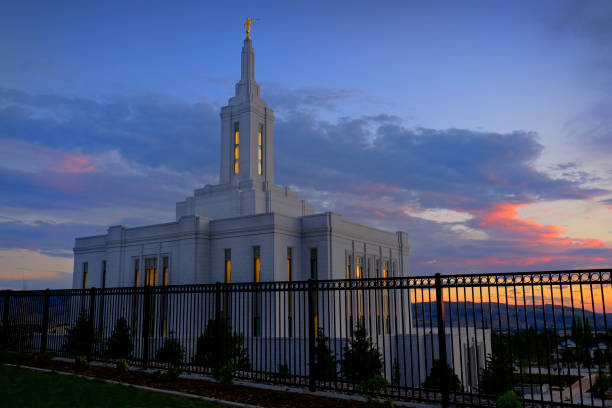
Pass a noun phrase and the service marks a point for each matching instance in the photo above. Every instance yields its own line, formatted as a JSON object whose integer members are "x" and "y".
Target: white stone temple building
{"x": 244, "y": 229}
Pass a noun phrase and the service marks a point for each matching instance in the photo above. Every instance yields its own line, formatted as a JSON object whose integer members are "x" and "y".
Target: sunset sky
{"x": 482, "y": 128}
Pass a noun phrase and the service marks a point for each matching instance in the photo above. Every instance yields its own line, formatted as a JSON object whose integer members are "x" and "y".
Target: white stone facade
{"x": 246, "y": 213}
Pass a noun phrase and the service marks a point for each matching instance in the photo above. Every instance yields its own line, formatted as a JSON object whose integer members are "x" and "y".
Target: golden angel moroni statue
{"x": 247, "y": 25}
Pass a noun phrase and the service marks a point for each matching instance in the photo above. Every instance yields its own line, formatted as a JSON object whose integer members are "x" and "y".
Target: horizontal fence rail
{"x": 459, "y": 340}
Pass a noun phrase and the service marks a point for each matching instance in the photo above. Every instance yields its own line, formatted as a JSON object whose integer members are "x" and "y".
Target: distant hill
{"x": 493, "y": 315}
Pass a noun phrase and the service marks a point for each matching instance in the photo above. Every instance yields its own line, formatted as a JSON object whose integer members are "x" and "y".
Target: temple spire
{"x": 248, "y": 61}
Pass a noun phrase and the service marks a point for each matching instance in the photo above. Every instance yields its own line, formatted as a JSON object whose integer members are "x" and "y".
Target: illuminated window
{"x": 236, "y": 147}
{"x": 164, "y": 298}
{"x": 256, "y": 264}
{"x": 150, "y": 272}
{"x": 260, "y": 150}
{"x": 228, "y": 265}
{"x": 358, "y": 267}
{"x": 256, "y": 295}
{"x": 136, "y": 302}
{"x": 385, "y": 271}
{"x": 136, "y": 272}
{"x": 289, "y": 263}
{"x": 85, "y": 270}
{"x": 348, "y": 266}
{"x": 103, "y": 274}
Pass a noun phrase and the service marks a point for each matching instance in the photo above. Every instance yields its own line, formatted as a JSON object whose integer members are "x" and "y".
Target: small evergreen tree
{"x": 438, "y": 371}
{"x": 218, "y": 347}
{"x": 497, "y": 376}
{"x": 80, "y": 340}
{"x": 120, "y": 343}
{"x": 325, "y": 365}
{"x": 509, "y": 400}
{"x": 171, "y": 352}
{"x": 362, "y": 360}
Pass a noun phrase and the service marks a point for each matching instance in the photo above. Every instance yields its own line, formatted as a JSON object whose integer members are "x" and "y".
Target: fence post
{"x": 45, "y": 322}
{"x": 312, "y": 332}
{"x": 146, "y": 321}
{"x": 217, "y": 300}
{"x": 5, "y": 318}
{"x": 92, "y": 314}
{"x": 441, "y": 341}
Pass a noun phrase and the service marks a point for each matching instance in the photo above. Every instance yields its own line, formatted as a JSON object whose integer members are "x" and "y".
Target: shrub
{"x": 225, "y": 376}
{"x": 439, "y": 370}
{"x": 509, "y": 400}
{"x": 218, "y": 346}
{"x": 44, "y": 358}
{"x": 497, "y": 376}
{"x": 122, "y": 367}
{"x": 284, "y": 373}
{"x": 362, "y": 360}
{"x": 325, "y": 365}
{"x": 81, "y": 363}
{"x": 120, "y": 343}
{"x": 372, "y": 387}
{"x": 81, "y": 339}
{"x": 171, "y": 352}
{"x": 169, "y": 375}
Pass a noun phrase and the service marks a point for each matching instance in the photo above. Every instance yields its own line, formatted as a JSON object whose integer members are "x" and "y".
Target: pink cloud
{"x": 73, "y": 164}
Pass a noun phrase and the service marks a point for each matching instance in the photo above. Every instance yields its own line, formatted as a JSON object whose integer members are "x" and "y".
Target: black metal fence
{"x": 460, "y": 340}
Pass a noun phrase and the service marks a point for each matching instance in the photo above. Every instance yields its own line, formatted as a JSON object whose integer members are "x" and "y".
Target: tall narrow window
{"x": 164, "y": 298}
{"x": 85, "y": 271}
{"x": 103, "y": 274}
{"x": 256, "y": 264}
{"x": 260, "y": 150}
{"x": 136, "y": 302}
{"x": 228, "y": 265}
{"x": 150, "y": 272}
{"x": 136, "y": 272}
{"x": 348, "y": 266}
{"x": 314, "y": 273}
{"x": 236, "y": 147}
{"x": 165, "y": 270}
{"x": 290, "y": 293}
{"x": 256, "y": 294}
{"x": 386, "y": 305}
{"x": 358, "y": 267}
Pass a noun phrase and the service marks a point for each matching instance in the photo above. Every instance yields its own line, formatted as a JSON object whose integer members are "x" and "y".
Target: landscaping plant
{"x": 218, "y": 346}
{"x": 372, "y": 387}
{"x": 171, "y": 352}
{"x": 226, "y": 374}
{"x": 120, "y": 343}
{"x": 122, "y": 367}
{"x": 81, "y": 363}
{"x": 439, "y": 370}
{"x": 509, "y": 400}
{"x": 362, "y": 360}
{"x": 81, "y": 339}
{"x": 325, "y": 365}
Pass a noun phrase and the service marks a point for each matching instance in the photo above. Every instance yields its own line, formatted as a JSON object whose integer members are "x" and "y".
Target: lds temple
{"x": 244, "y": 229}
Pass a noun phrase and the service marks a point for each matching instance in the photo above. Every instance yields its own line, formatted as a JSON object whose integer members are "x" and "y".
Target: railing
{"x": 458, "y": 340}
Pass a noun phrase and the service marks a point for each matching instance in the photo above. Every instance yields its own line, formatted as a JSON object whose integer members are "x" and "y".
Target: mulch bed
{"x": 236, "y": 393}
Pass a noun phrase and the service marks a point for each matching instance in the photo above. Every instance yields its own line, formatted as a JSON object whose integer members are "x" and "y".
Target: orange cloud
{"x": 74, "y": 164}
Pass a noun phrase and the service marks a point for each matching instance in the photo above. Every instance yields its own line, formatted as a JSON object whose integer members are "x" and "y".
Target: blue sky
{"x": 483, "y": 129}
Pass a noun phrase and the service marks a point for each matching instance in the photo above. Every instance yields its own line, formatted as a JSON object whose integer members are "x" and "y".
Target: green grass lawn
{"x": 20, "y": 387}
